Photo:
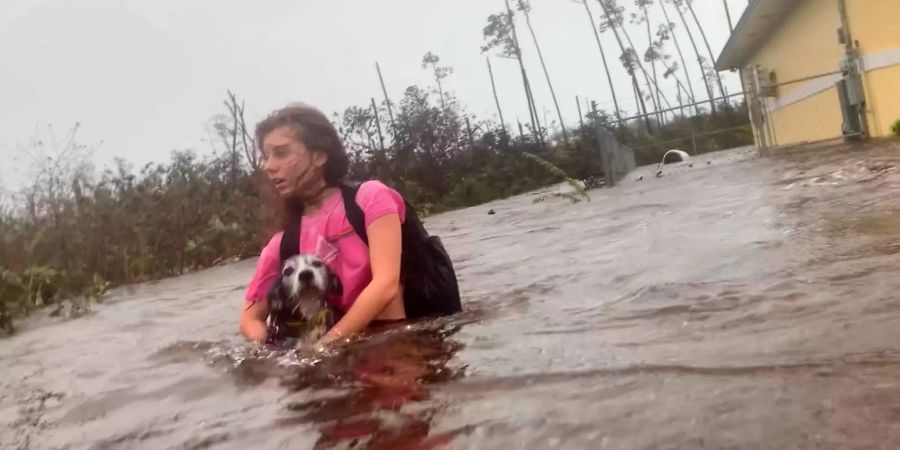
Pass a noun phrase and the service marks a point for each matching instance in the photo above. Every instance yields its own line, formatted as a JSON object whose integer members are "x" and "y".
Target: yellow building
{"x": 795, "y": 53}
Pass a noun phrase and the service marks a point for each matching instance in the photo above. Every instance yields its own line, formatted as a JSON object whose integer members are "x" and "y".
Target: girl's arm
{"x": 385, "y": 248}
{"x": 255, "y": 312}
{"x": 253, "y": 320}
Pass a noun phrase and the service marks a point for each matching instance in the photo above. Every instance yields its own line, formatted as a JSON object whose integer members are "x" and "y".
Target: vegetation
{"x": 72, "y": 232}
{"x": 896, "y": 127}
{"x": 76, "y": 231}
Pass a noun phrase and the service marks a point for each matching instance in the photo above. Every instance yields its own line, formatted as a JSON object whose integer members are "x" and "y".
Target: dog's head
{"x": 303, "y": 288}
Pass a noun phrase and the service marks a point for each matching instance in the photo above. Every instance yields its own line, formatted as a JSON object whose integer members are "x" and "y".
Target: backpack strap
{"x": 290, "y": 240}
{"x": 355, "y": 214}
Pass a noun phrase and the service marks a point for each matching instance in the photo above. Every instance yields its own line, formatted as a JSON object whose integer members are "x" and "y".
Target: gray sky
{"x": 143, "y": 77}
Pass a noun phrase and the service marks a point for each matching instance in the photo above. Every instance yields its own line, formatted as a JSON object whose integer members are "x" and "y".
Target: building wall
{"x": 876, "y": 25}
{"x": 805, "y": 47}
{"x": 816, "y": 118}
{"x": 883, "y": 91}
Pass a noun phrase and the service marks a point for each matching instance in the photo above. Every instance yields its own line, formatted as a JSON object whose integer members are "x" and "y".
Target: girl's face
{"x": 295, "y": 170}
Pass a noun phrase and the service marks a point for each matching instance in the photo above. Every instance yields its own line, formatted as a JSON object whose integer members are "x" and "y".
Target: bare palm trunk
{"x": 562, "y": 123}
{"x": 536, "y": 123}
{"x": 641, "y": 106}
{"x": 496, "y": 99}
{"x": 660, "y": 117}
{"x": 687, "y": 75}
{"x": 612, "y": 89}
{"x": 532, "y": 110}
{"x": 728, "y": 15}
{"x": 712, "y": 101}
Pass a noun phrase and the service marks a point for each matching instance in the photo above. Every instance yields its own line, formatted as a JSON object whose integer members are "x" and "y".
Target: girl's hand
{"x": 334, "y": 334}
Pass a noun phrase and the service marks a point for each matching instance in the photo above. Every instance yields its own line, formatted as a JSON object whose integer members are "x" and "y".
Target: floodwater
{"x": 744, "y": 303}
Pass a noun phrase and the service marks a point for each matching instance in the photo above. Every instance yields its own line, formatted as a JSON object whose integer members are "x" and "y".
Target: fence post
{"x": 606, "y": 143}
{"x": 618, "y": 159}
{"x": 757, "y": 117}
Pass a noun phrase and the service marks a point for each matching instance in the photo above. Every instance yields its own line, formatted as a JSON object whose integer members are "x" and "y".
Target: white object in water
{"x": 671, "y": 157}
{"x": 675, "y": 156}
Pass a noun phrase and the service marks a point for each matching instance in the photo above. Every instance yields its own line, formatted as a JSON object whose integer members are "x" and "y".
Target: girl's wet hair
{"x": 315, "y": 131}
{"x": 318, "y": 134}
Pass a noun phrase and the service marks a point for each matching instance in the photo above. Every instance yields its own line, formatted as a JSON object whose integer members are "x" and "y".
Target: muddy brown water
{"x": 744, "y": 303}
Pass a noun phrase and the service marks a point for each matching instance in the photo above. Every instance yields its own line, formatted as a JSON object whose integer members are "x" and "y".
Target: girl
{"x": 305, "y": 160}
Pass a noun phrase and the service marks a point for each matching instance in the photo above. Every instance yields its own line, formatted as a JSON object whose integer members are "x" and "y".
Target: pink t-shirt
{"x": 328, "y": 235}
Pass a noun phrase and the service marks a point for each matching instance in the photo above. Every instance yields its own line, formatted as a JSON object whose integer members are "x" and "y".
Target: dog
{"x": 298, "y": 300}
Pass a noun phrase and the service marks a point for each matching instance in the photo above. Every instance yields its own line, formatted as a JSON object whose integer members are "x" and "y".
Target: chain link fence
{"x": 808, "y": 110}
{"x": 694, "y": 128}
{"x": 768, "y": 114}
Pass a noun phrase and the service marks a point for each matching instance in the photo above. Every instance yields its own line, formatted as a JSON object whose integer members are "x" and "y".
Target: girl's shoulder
{"x": 377, "y": 199}
{"x": 373, "y": 187}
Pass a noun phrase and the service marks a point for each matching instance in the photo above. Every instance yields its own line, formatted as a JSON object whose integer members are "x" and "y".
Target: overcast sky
{"x": 143, "y": 77}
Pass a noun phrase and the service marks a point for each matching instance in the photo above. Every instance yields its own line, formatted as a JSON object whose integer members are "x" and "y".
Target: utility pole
{"x": 386, "y": 98}
{"x": 377, "y": 123}
{"x": 580, "y": 116}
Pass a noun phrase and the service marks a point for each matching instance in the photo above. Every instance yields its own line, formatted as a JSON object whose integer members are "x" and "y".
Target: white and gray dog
{"x": 298, "y": 301}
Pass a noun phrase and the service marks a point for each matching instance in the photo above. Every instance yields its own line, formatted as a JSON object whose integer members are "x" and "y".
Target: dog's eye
{"x": 317, "y": 264}
{"x": 287, "y": 271}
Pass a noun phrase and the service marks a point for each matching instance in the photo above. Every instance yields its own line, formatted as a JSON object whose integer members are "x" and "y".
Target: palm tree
{"x": 440, "y": 72}
{"x": 501, "y": 32}
{"x": 614, "y": 19}
{"x": 669, "y": 30}
{"x": 700, "y": 60}
{"x": 712, "y": 58}
{"x": 612, "y": 89}
{"x": 650, "y": 55}
{"x": 618, "y": 19}
{"x": 609, "y": 24}
{"x": 526, "y": 9}
{"x": 657, "y": 52}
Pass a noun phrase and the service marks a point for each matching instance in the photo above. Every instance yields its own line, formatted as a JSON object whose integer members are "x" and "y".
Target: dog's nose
{"x": 305, "y": 276}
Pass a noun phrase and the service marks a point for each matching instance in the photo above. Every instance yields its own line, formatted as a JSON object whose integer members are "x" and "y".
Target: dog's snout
{"x": 305, "y": 276}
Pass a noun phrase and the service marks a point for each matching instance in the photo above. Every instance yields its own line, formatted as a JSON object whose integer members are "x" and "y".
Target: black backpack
{"x": 426, "y": 271}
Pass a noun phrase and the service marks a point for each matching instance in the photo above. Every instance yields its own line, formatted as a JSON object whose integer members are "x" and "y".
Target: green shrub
{"x": 896, "y": 127}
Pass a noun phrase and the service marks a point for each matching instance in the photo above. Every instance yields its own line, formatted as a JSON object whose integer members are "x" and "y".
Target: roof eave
{"x": 758, "y": 20}
{"x": 724, "y": 61}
